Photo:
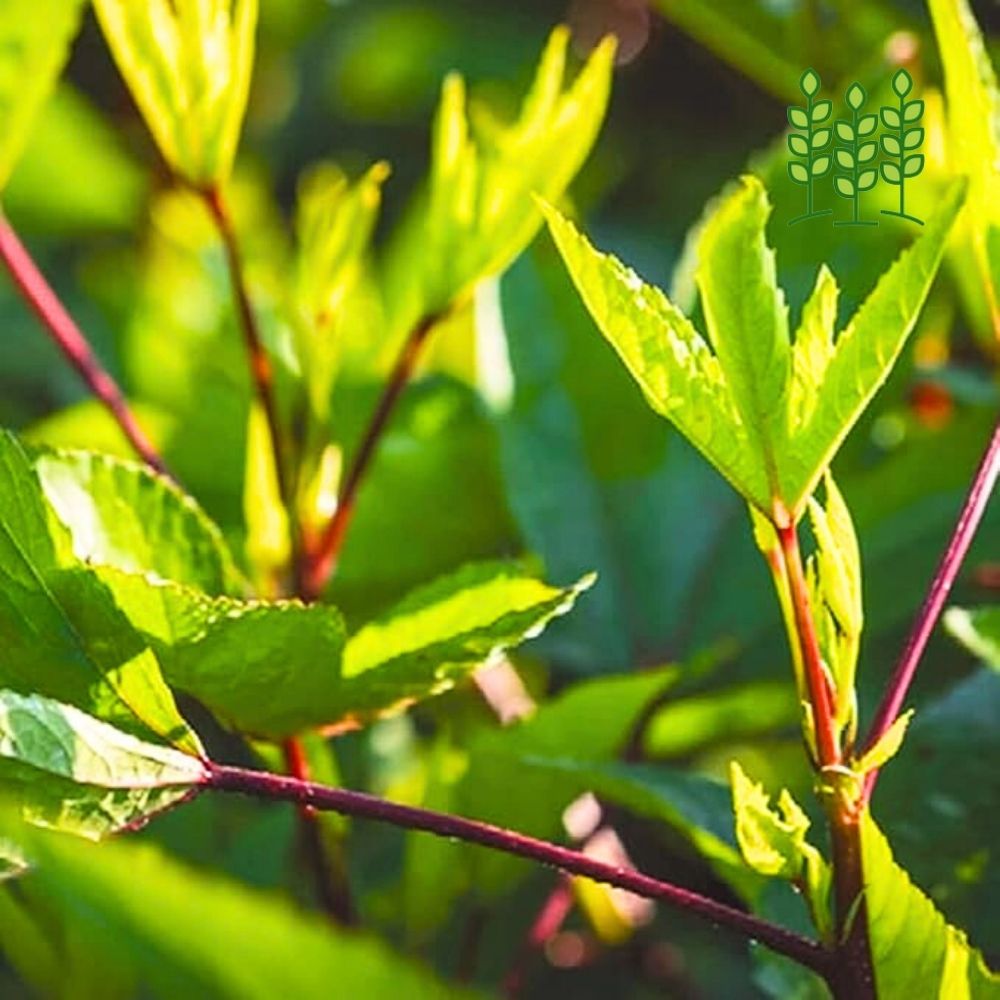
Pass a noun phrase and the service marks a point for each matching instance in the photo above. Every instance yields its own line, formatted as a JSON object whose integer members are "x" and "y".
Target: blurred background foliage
{"x": 526, "y": 435}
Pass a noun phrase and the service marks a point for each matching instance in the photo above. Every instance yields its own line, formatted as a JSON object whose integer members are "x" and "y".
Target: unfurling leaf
{"x": 187, "y": 64}
{"x": 773, "y": 842}
{"x": 479, "y": 212}
{"x": 34, "y": 41}
{"x": 333, "y": 228}
{"x": 769, "y": 415}
{"x": 886, "y": 748}
{"x": 834, "y": 577}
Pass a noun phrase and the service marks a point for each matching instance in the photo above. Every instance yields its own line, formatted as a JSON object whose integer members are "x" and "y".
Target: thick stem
{"x": 951, "y": 561}
{"x": 827, "y": 745}
{"x": 854, "y": 975}
{"x": 261, "y": 371}
{"x": 70, "y": 340}
{"x": 277, "y": 787}
{"x": 320, "y": 559}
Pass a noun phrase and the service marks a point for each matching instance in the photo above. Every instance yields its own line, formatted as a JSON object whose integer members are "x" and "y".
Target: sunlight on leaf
{"x": 978, "y": 629}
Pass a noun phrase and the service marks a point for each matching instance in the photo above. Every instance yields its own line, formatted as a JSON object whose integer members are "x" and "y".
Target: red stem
{"x": 322, "y": 555}
{"x": 69, "y": 338}
{"x": 553, "y": 913}
{"x": 278, "y": 787}
{"x": 261, "y": 371}
{"x": 819, "y": 691}
{"x": 965, "y": 529}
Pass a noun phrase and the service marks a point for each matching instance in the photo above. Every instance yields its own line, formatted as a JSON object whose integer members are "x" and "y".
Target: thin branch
{"x": 277, "y": 787}
{"x": 965, "y": 529}
{"x": 72, "y": 343}
{"x": 261, "y": 371}
{"x": 819, "y": 691}
{"x": 321, "y": 556}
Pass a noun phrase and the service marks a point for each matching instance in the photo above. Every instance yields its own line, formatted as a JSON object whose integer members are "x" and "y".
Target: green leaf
{"x": 442, "y": 632}
{"x": 739, "y": 405}
{"x": 181, "y": 932}
{"x": 120, "y": 514}
{"x": 797, "y": 117}
{"x": 845, "y": 131}
{"x": 866, "y": 125}
{"x": 866, "y": 180}
{"x": 821, "y": 165}
{"x": 844, "y": 186}
{"x": 902, "y": 82}
{"x": 865, "y": 351}
{"x": 773, "y": 842}
{"x": 677, "y": 371}
{"x": 268, "y": 534}
{"x": 188, "y": 67}
{"x": 890, "y": 118}
{"x": 35, "y": 36}
{"x": 913, "y": 138}
{"x": 886, "y": 748}
{"x": 912, "y": 111}
{"x": 891, "y": 145}
{"x": 64, "y": 638}
{"x": 974, "y": 132}
{"x": 855, "y": 96}
{"x": 798, "y": 145}
{"x": 479, "y": 213}
{"x": 809, "y": 82}
{"x": 747, "y": 320}
{"x": 845, "y": 159}
{"x": 914, "y": 951}
{"x": 891, "y": 173}
{"x": 912, "y": 165}
{"x": 821, "y": 111}
{"x": 978, "y": 629}
{"x": 798, "y": 173}
{"x": 821, "y": 137}
{"x": 867, "y": 151}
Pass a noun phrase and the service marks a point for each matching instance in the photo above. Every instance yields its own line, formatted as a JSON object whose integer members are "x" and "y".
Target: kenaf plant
{"x": 118, "y": 592}
{"x": 855, "y": 154}
{"x": 901, "y": 141}
{"x": 809, "y": 147}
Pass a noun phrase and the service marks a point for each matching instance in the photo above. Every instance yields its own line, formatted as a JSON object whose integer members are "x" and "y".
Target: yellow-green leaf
{"x": 886, "y": 748}
{"x": 34, "y": 41}
{"x": 188, "y": 65}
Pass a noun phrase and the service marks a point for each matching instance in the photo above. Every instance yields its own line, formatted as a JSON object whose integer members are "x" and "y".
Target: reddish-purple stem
{"x": 261, "y": 371}
{"x": 70, "y": 339}
{"x": 927, "y": 617}
{"x": 321, "y": 556}
{"x": 262, "y": 784}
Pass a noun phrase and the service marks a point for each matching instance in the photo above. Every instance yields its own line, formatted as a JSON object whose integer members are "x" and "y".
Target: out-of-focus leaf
{"x": 188, "y": 66}
{"x": 914, "y": 950}
{"x": 942, "y": 829}
{"x": 120, "y": 514}
{"x": 185, "y": 933}
{"x": 334, "y": 223}
{"x": 728, "y": 402}
{"x": 268, "y": 544}
{"x": 978, "y": 629}
{"x": 974, "y": 135}
{"x": 479, "y": 214}
{"x": 34, "y": 43}
{"x": 105, "y": 188}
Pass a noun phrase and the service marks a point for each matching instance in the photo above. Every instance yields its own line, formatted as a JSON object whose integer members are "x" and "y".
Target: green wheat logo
{"x": 900, "y": 142}
{"x": 855, "y": 147}
{"x": 810, "y": 146}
